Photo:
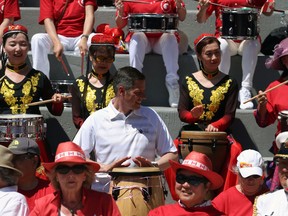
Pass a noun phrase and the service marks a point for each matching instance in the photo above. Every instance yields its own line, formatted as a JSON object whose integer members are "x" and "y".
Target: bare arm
{"x": 87, "y": 29}
{"x": 202, "y": 15}
{"x": 51, "y": 30}
{"x": 6, "y": 22}
{"x": 121, "y": 18}
{"x": 181, "y": 11}
{"x": 261, "y": 109}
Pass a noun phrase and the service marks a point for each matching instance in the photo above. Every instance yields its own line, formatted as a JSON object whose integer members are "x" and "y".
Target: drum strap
{"x": 62, "y": 14}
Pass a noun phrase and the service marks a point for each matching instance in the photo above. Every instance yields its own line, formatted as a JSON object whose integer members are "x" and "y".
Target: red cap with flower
{"x": 102, "y": 39}
{"x": 201, "y": 37}
{"x": 15, "y": 29}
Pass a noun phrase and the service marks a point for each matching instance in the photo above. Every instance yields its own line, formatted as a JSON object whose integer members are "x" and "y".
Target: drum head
{"x": 19, "y": 116}
{"x": 135, "y": 171}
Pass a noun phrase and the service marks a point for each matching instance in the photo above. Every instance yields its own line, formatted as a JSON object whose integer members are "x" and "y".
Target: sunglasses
{"x": 64, "y": 169}
{"x": 192, "y": 180}
{"x": 23, "y": 157}
{"x": 99, "y": 59}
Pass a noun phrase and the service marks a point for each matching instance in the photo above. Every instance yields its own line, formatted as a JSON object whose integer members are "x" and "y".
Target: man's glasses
{"x": 64, "y": 169}
{"x": 99, "y": 59}
{"x": 192, "y": 180}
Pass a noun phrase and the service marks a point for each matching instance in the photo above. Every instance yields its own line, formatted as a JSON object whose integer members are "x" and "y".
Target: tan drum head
{"x": 135, "y": 171}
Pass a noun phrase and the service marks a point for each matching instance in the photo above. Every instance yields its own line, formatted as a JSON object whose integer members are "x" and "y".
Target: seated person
{"x": 208, "y": 101}
{"x": 248, "y": 47}
{"x": 72, "y": 175}
{"x": 250, "y": 166}
{"x": 275, "y": 203}
{"x": 194, "y": 179}
{"x": 27, "y": 159}
{"x": 94, "y": 90}
{"x": 68, "y": 25}
{"x": 20, "y": 84}
{"x": 11, "y": 202}
{"x": 165, "y": 44}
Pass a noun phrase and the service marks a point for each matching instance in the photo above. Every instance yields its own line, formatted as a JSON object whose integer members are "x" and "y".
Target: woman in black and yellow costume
{"x": 94, "y": 90}
{"x": 208, "y": 101}
{"x": 20, "y": 84}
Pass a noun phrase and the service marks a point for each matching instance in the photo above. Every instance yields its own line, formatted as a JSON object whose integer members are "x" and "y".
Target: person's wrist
{"x": 85, "y": 36}
{"x": 154, "y": 164}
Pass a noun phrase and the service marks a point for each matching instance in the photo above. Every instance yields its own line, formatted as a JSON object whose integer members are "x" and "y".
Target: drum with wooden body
{"x": 137, "y": 190}
{"x": 283, "y": 118}
{"x": 213, "y": 144}
{"x": 63, "y": 87}
{"x": 240, "y": 23}
{"x": 153, "y": 22}
{"x": 24, "y": 125}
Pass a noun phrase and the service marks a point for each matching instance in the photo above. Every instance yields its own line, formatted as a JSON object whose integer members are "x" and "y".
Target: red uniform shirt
{"x": 72, "y": 22}
{"x": 9, "y": 9}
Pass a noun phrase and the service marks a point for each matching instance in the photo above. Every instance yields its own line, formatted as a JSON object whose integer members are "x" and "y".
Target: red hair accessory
{"x": 15, "y": 29}
{"x": 201, "y": 37}
{"x": 102, "y": 39}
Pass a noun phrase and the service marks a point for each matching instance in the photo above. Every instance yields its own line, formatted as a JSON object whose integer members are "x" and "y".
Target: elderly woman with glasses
{"x": 249, "y": 169}
{"x": 194, "y": 180}
{"x": 94, "y": 90}
{"x": 71, "y": 175}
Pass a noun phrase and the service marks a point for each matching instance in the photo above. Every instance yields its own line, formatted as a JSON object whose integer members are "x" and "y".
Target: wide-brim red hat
{"x": 69, "y": 152}
{"x": 102, "y": 39}
{"x": 199, "y": 163}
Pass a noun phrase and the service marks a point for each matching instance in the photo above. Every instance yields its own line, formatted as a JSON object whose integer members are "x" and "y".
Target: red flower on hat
{"x": 15, "y": 28}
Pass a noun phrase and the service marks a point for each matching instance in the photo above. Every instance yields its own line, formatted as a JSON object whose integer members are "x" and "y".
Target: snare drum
{"x": 137, "y": 190}
{"x": 63, "y": 87}
{"x": 283, "y": 119}
{"x": 240, "y": 23}
{"x": 152, "y": 22}
{"x": 213, "y": 144}
{"x": 21, "y": 125}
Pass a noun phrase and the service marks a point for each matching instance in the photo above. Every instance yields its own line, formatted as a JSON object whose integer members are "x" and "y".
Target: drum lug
{"x": 231, "y": 18}
{"x": 144, "y": 24}
{"x": 190, "y": 145}
{"x": 146, "y": 192}
{"x": 213, "y": 147}
{"x": 163, "y": 24}
{"x": 250, "y": 18}
{"x": 231, "y": 31}
{"x": 249, "y": 31}
{"x": 115, "y": 192}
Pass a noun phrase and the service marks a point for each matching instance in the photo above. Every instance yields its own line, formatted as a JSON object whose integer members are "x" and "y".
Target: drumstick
{"x": 212, "y": 3}
{"x": 64, "y": 66}
{"x": 268, "y": 90}
{"x": 82, "y": 64}
{"x": 2, "y": 77}
{"x": 143, "y": 2}
{"x": 46, "y": 101}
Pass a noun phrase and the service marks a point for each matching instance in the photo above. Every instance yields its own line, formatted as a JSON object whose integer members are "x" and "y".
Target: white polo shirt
{"x": 275, "y": 204}
{"x": 112, "y": 135}
{"x": 12, "y": 202}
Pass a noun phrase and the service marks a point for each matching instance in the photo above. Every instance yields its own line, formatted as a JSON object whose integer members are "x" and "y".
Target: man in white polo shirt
{"x": 126, "y": 133}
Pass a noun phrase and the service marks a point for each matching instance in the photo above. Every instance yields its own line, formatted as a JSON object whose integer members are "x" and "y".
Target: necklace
{"x": 73, "y": 209}
{"x": 98, "y": 76}
{"x": 15, "y": 68}
{"x": 210, "y": 75}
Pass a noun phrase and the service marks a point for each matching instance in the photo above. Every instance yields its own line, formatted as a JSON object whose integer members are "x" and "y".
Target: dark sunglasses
{"x": 192, "y": 180}
{"x": 23, "y": 157}
{"x": 64, "y": 169}
{"x": 99, "y": 59}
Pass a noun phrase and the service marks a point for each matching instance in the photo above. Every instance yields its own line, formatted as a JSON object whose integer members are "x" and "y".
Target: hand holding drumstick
{"x": 56, "y": 98}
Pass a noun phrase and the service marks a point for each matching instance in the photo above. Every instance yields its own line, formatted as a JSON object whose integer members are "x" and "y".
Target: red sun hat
{"x": 201, "y": 37}
{"x": 69, "y": 152}
{"x": 15, "y": 29}
{"x": 199, "y": 163}
{"x": 102, "y": 39}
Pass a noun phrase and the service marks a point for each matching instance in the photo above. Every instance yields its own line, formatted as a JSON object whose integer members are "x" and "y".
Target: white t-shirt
{"x": 112, "y": 135}
{"x": 274, "y": 203}
{"x": 12, "y": 203}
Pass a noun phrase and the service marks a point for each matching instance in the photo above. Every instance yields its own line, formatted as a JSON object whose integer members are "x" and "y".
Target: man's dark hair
{"x": 126, "y": 77}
